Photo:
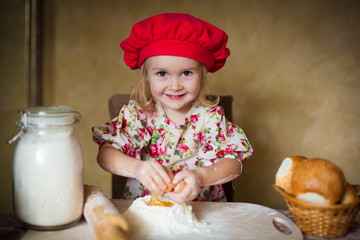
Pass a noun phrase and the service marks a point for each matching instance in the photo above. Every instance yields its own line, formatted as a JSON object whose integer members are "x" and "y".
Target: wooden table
{"x": 11, "y": 227}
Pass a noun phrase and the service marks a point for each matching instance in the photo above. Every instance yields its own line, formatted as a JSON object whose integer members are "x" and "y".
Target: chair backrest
{"x": 115, "y": 104}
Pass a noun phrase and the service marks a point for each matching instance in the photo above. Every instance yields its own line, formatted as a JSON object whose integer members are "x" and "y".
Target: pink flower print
{"x": 161, "y": 131}
{"x": 111, "y": 123}
{"x": 177, "y": 170}
{"x": 201, "y": 137}
{"x": 126, "y": 147}
{"x": 199, "y": 163}
{"x": 158, "y": 148}
{"x": 239, "y": 154}
{"x": 216, "y": 193}
{"x": 161, "y": 146}
{"x": 224, "y": 152}
{"x": 180, "y": 168}
{"x": 184, "y": 166}
{"x": 153, "y": 151}
{"x": 213, "y": 192}
{"x": 221, "y": 137}
{"x": 200, "y": 198}
{"x": 141, "y": 133}
{"x": 98, "y": 141}
{"x": 124, "y": 123}
{"x": 150, "y": 129}
{"x": 111, "y": 127}
{"x": 145, "y": 193}
{"x": 141, "y": 115}
{"x": 213, "y": 110}
{"x": 128, "y": 150}
{"x": 220, "y": 153}
{"x": 208, "y": 146}
{"x": 229, "y": 150}
{"x": 161, "y": 161}
{"x": 182, "y": 148}
{"x": 232, "y": 129}
{"x": 194, "y": 119}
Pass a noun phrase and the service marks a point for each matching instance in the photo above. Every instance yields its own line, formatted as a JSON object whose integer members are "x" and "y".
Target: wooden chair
{"x": 115, "y": 104}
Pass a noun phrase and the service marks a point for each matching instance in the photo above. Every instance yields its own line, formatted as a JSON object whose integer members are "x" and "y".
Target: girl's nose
{"x": 175, "y": 84}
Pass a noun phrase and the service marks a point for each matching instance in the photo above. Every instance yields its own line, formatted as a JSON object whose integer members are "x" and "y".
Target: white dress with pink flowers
{"x": 205, "y": 138}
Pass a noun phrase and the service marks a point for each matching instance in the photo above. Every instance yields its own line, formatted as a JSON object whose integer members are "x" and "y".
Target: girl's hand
{"x": 191, "y": 190}
{"x": 152, "y": 175}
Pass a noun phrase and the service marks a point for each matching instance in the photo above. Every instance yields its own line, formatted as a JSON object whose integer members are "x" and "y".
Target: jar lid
{"x": 49, "y": 115}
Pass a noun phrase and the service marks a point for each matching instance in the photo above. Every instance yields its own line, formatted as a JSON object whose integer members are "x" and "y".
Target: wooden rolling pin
{"x": 103, "y": 216}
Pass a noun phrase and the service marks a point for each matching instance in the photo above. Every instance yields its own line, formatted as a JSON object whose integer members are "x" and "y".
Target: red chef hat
{"x": 176, "y": 34}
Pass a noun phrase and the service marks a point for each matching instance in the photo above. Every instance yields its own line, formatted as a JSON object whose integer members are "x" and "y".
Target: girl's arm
{"x": 221, "y": 172}
{"x": 150, "y": 173}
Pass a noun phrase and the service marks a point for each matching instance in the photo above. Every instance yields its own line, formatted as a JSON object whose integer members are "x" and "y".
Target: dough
{"x": 145, "y": 220}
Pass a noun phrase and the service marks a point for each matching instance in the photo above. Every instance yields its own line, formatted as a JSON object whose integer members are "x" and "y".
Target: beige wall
{"x": 13, "y": 88}
{"x": 293, "y": 70}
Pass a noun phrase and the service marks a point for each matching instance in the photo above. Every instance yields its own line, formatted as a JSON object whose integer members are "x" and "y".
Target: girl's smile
{"x": 175, "y": 83}
{"x": 175, "y": 97}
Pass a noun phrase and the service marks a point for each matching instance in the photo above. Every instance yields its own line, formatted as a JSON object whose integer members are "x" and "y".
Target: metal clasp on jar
{"x": 20, "y": 126}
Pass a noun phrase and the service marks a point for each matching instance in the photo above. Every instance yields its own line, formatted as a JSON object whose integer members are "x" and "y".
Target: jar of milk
{"x": 48, "y": 168}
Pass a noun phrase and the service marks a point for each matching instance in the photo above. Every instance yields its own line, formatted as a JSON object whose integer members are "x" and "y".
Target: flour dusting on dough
{"x": 145, "y": 220}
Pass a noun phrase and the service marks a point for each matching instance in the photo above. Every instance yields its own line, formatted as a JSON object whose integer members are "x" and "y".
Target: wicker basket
{"x": 321, "y": 221}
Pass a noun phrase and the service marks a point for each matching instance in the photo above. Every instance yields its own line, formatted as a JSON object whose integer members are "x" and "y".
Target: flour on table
{"x": 148, "y": 220}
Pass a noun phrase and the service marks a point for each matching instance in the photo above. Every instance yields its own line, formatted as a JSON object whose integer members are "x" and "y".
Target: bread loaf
{"x": 318, "y": 181}
{"x": 285, "y": 172}
{"x": 349, "y": 195}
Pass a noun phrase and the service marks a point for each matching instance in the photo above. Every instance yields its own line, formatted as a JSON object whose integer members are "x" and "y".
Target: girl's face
{"x": 174, "y": 82}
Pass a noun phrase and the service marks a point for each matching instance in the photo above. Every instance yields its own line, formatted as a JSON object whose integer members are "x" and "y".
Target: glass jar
{"x": 48, "y": 168}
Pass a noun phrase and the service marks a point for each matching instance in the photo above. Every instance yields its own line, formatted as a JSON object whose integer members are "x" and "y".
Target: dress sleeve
{"x": 222, "y": 139}
{"x": 127, "y": 132}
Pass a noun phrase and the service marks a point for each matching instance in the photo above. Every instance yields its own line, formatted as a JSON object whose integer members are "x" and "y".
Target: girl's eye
{"x": 161, "y": 74}
{"x": 187, "y": 73}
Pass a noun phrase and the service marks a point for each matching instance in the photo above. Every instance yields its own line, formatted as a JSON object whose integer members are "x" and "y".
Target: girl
{"x": 170, "y": 123}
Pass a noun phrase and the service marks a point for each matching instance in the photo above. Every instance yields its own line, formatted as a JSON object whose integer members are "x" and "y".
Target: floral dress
{"x": 205, "y": 138}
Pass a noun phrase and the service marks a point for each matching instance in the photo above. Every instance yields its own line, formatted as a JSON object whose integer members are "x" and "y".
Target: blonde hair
{"x": 142, "y": 93}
